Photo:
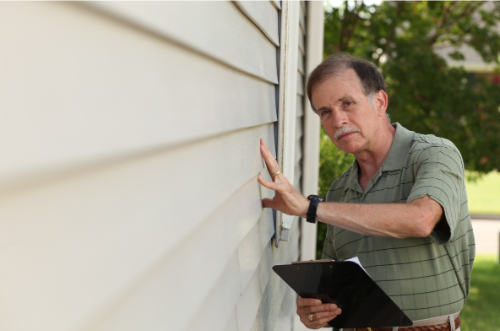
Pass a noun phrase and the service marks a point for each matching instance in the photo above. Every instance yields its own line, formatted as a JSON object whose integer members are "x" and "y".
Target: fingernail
{"x": 318, "y": 303}
{"x": 338, "y": 311}
{"x": 332, "y": 307}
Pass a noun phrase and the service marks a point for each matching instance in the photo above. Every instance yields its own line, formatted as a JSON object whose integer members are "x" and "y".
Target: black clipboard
{"x": 363, "y": 302}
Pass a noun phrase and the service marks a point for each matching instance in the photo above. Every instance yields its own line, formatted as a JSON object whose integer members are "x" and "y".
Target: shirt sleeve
{"x": 440, "y": 175}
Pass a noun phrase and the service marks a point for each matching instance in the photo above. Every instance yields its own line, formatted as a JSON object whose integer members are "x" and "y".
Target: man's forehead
{"x": 338, "y": 86}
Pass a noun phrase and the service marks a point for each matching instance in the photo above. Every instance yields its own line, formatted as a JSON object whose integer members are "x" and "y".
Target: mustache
{"x": 344, "y": 130}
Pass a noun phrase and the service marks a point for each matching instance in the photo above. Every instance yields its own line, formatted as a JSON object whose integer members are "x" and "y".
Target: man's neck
{"x": 370, "y": 161}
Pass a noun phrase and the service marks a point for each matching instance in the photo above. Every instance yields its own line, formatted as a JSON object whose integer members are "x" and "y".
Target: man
{"x": 401, "y": 207}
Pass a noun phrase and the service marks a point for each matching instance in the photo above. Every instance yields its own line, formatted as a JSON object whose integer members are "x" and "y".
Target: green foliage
{"x": 332, "y": 163}
{"x": 425, "y": 95}
{"x": 481, "y": 310}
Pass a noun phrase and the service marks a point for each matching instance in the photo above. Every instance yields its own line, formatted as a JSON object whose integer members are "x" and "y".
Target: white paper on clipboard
{"x": 356, "y": 260}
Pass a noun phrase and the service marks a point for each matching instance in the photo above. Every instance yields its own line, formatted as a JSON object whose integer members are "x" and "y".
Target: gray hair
{"x": 371, "y": 79}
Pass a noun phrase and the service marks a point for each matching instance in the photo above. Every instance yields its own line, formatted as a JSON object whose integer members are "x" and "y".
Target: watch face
{"x": 312, "y": 196}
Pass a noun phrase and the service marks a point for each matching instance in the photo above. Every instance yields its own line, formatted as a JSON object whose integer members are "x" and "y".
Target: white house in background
{"x": 473, "y": 62}
{"x": 129, "y": 138}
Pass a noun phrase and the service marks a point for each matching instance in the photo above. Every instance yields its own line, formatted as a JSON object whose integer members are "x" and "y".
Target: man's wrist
{"x": 305, "y": 207}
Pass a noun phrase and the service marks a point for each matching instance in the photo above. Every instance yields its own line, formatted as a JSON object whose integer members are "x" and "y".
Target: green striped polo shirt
{"x": 425, "y": 277}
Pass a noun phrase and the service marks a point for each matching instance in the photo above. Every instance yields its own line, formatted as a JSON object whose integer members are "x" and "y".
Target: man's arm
{"x": 400, "y": 220}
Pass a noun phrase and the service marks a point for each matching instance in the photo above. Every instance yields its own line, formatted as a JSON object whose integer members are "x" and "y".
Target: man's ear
{"x": 380, "y": 101}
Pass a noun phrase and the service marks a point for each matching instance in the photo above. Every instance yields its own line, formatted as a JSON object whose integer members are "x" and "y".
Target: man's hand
{"x": 322, "y": 314}
{"x": 287, "y": 199}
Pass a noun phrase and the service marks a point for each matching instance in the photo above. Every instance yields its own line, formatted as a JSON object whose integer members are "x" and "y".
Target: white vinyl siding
{"x": 130, "y": 152}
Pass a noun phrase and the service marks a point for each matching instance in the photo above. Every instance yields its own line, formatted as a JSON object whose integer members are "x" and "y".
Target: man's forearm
{"x": 399, "y": 220}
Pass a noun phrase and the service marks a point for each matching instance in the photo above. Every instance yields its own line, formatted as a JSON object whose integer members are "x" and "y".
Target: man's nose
{"x": 340, "y": 119}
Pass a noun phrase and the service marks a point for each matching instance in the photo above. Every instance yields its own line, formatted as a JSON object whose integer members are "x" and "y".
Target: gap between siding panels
{"x": 117, "y": 150}
{"x": 219, "y": 44}
{"x": 273, "y": 295}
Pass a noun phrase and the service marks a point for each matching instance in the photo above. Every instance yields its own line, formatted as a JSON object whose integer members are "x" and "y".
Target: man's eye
{"x": 348, "y": 103}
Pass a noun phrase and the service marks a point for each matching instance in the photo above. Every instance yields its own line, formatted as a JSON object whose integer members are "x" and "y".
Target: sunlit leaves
{"x": 424, "y": 94}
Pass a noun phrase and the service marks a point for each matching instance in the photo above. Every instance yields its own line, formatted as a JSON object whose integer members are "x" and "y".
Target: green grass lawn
{"x": 482, "y": 310}
{"x": 484, "y": 194}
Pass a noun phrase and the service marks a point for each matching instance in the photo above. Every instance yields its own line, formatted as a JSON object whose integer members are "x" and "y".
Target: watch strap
{"x": 313, "y": 207}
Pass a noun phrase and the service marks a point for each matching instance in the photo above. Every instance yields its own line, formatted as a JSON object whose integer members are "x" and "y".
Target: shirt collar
{"x": 400, "y": 147}
{"x": 352, "y": 180}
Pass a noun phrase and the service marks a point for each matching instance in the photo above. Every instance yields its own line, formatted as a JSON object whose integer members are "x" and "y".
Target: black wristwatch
{"x": 313, "y": 207}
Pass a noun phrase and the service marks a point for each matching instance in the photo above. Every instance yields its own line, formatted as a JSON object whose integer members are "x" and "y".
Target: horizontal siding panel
{"x": 302, "y": 47}
{"x": 217, "y": 29}
{"x": 298, "y": 153}
{"x": 251, "y": 248}
{"x": 297, "y": 176}
{"x": 248, "y": 304}
{"x": 302, "y": 19}
{"x": 298, "y": 187}
{"x": 299, "y": 130}
{"x": 300, "y": 84}
{"x": 232, "y": 324}
{"x": 276, "y": 3}
{"x": 257, "y": 292}
{"x": 104, "y": 101}
{"x": 270, "y": 304}
{"x": 208, "y": 251}
{"x": 297, "y": 184}
{"x": 300, "y": 106}
{"x": 300, "y": 64}
{"x": 298, "y": 162}
{"x": 215, "y": 310}
{"x": 264, "y": 15}
{"x": 150, "y": 309}
{"x": 137, "y": 206}
{"x": 284, "y": 319}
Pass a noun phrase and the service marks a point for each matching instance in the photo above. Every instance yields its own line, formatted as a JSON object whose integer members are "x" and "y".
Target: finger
{"x": 326, "y": 314}
{"x": 324, "y": 321}
{"x": 321, "y": 324}
{"x": 268, "y": 203}
{"x": 308, "y": 302}
{"x": 317, "y": 324}
{"x": 326, "y": 307}
{"x": 314, "y": 324}
{"x": 265, "y": 183}
{"x": 271, "y": 163}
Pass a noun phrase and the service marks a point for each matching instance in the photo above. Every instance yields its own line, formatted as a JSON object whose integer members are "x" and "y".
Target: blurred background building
{"x": 472, "y": 61}
{"x": 130, "y": 153}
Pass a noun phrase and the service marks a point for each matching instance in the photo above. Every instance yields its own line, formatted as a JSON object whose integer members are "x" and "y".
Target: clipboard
{"x": 346, "y": 284}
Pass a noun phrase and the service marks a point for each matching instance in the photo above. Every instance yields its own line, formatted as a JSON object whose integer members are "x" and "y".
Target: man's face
{"x": 348, "y": 116}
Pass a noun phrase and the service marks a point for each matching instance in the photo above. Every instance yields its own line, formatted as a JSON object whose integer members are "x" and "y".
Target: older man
{"x": 401, "y": 207}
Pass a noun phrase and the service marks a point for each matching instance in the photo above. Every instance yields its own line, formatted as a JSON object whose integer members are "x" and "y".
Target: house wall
{"x": 130, "y": 149}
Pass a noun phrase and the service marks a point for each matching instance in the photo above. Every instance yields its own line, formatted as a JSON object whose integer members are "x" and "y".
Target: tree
{"x": 425, "y": 95}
